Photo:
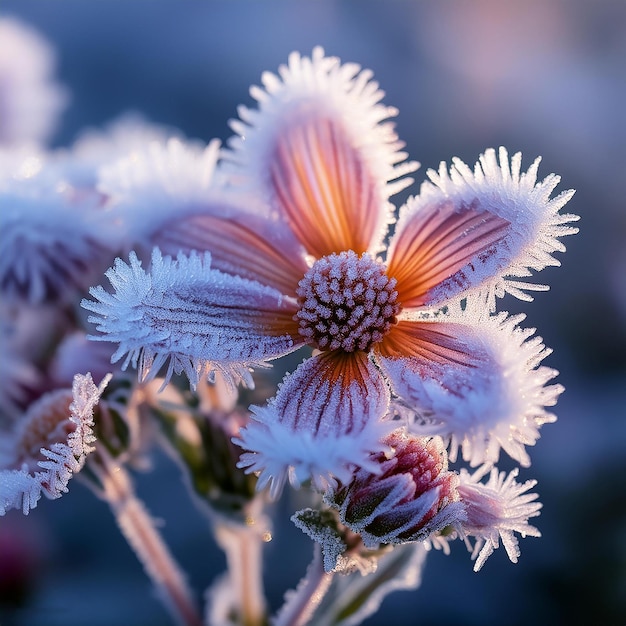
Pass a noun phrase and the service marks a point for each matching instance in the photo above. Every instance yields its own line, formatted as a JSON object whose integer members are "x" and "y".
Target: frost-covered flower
{"x": 49, "y": 446}
{"x": 310, "y": 268}
{"x": 410, "y": 496}
{"x": 496, "y": 509}
{"x": 30, "y": 98}
{"x": 19, "y": 378}
{"x": 127, "y": 134}
{"x": 51, "y": 243}
{"x": 164, "y": 179}
{"x": 62, "y": 222}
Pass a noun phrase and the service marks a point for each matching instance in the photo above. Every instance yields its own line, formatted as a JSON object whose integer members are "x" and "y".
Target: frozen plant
{"x": 281, "y": 241}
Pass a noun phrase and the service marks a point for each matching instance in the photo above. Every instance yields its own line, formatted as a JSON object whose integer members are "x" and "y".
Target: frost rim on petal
{"x": 497, "y": 184}
{"x": 496, "y": 401}
{"x": 342, "y": 91}
{"x": 174, "y": 314}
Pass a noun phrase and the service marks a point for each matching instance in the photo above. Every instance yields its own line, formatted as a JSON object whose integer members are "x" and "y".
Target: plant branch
{"x": 140, "y": 532}
{"x": 302, "y": 602}
{"x": 242, "y": 545}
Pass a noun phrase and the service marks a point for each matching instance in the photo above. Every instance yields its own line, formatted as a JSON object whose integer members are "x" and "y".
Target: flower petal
{"x": 242, "y": 245}
{"x": 322, "y": 147}
{"x": 429, "y": 342}
{"x": 322, "y": 186}
{"x": 476, "y": 380}
{"x": 504, "y": 195}
{"x": 199, "y": 319}
{"x": 440, "y": 250}
{"x": 50, "y": 248}
{"x": 495, "y": 510}
{"x": 324, "y": 421}
{"x": 190, "y": 209}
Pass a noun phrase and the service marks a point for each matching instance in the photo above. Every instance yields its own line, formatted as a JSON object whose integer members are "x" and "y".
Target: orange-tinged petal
{"x": 476, "y": 380}
{"x": 432, "y": 342}
{"x": 522, "y": 229}
{"x": 325, "y": 420}
{"x": 333, "y": 393}
{"x": 241, "y": 245}
{"x": 438, "y": 250}
{"x": 322, "y": 185}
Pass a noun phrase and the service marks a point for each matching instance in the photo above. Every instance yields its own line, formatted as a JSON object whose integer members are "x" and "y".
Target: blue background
{"x": 546, "y": 78}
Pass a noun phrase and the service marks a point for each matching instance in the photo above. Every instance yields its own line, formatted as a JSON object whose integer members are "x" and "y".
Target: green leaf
{"x": 354, "y": 597}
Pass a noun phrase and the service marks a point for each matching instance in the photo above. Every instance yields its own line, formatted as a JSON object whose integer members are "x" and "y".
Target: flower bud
{"x": 413, "y": 496}
{"x": 55, "y": 439}
{"x": 201, "y": 441}
{"x": 496, "y": 509}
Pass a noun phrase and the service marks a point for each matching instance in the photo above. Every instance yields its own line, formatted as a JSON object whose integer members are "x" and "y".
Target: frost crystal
{"x": 182, "y": 312}
{"x": 21, "y": 488}
{"x": 535, "y": 224}
{"x": 496, "y": 509}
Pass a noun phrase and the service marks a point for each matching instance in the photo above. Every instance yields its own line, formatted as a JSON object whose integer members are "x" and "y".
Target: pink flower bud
{"x": 413, "y": 496}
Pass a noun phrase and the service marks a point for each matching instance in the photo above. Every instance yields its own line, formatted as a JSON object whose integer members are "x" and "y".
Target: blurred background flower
{"x": 546, "y": 78}
{"x": 30, "y": 98}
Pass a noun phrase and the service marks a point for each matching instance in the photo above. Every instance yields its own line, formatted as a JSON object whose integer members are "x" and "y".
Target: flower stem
{"x": 140, "y": 532}
{"x": 242, "y": 546}
{"x": 301, "y": 604}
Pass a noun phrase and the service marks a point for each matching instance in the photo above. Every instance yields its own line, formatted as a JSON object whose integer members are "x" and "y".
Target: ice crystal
{"x": 495, "y": 510}
{"x": 21, "y": 488}
{"x": 184, "y": 314}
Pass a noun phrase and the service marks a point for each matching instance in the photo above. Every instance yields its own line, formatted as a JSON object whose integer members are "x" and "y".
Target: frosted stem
{"x": 242, "y": 546}
{"x": 306, "y": 598}
{"x": 141, "y": 534}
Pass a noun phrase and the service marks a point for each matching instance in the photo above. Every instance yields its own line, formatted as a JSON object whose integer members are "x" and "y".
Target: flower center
{"x": 346, "y": 302}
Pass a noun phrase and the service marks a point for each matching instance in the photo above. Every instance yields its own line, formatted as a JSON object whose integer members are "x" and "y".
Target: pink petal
{"x": 476, "y": 381}
{"x": 324, "y": 421}
{"x": 240, "y": 244}
{"x": 442, "y": 249}
{"x": 322, "y": 185}
{"x": 333, "y": 393}
{"x": 521, "y": 231}
{"x": 321, "y": 142}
